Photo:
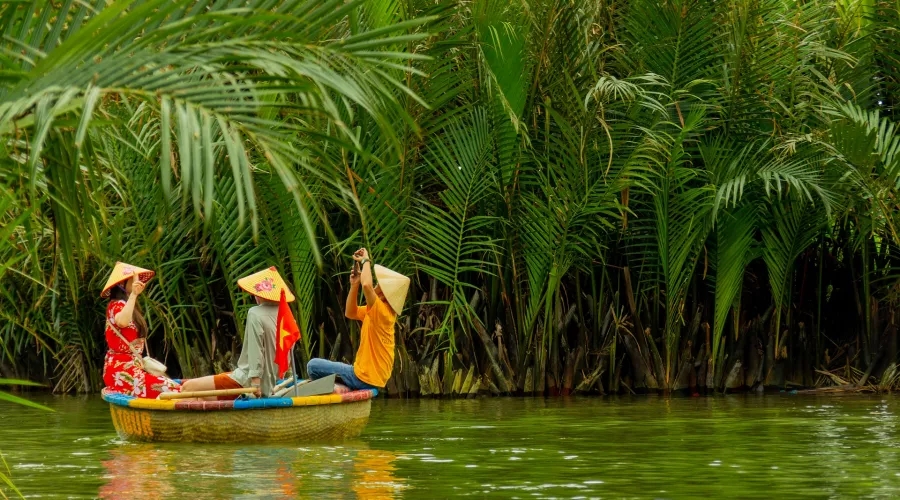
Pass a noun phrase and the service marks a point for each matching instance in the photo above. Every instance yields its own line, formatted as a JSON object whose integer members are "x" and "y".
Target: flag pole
{"x": 296, "y": 373}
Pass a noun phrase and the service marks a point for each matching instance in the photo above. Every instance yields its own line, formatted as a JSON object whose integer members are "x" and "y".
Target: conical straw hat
{"x": 266, "y": 284}
{"x": 394, "y": 287}
{"x": 123, "y": 272}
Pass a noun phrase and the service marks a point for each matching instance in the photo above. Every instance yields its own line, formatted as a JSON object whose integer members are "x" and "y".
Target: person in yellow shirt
{"x": 375, "y": 357}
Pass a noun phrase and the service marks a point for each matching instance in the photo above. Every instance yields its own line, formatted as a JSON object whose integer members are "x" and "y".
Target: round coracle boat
{"x": 331, "y": 417}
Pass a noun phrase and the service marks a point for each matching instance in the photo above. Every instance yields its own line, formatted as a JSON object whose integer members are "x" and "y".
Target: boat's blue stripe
{"x": 249, "y": 404}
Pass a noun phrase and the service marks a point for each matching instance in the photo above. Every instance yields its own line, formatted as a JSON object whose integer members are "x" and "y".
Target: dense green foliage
{"x": 608, "y": 195}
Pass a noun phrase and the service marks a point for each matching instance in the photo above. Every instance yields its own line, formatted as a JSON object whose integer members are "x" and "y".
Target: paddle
{"x": 281, "y": 391}
{"x": 324, "y": 385}
{"x": 206, "y": 394}
{"x": 283, "y": 384}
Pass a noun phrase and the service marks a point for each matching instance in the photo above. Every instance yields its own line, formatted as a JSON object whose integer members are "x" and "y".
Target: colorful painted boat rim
{"x": 119, "y": 399}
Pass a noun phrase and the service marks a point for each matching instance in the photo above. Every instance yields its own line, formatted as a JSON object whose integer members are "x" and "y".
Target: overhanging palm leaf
{"x": 4, "y": 396}
{"x": 208, "y": 70}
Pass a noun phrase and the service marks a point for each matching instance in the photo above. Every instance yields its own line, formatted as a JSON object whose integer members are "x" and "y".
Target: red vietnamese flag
{"x": 286, "y": 334}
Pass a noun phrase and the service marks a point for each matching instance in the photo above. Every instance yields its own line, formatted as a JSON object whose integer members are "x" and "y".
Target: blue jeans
{"x": 318, "y": 368}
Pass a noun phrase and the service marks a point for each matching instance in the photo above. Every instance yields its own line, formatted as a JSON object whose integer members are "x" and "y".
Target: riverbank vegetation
{"x": 601, "y": 196}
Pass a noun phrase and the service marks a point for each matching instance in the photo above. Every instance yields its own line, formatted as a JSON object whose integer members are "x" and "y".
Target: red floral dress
{"x": 121, "y": 368}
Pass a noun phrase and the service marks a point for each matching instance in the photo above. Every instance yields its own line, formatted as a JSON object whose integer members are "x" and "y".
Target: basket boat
{"x": 332, "y": 417}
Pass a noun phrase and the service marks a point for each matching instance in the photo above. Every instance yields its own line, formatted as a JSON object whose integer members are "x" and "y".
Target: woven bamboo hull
{"x": 330, "y": 422}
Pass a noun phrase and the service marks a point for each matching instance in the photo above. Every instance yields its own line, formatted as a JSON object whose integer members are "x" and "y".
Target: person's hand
{"x": 137, "y": 287}
{"x": 254, "y": 382}
{"x": 360, "y": 255}
{"x": 354, "y": 275}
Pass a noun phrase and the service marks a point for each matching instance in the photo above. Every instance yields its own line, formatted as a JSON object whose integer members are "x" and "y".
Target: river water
{"x": 744, "y": 446}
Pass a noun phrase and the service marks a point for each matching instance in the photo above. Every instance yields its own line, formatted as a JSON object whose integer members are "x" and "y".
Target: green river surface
{"x": 742, "y": 446}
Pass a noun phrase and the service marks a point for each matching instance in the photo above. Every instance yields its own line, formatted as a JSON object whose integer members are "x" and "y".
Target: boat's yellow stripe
{"x": 152, "y": 404}
{"x": 317, "y": 400}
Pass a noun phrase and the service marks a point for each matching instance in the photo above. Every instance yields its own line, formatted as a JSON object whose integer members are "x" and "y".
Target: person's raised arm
{"x": 124, "y": 317}
{"x": 350, "y": 308}
{"x": 362, "y": 256}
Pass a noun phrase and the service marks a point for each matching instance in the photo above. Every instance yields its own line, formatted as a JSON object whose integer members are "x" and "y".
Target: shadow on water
{"x": 744, "y": 446}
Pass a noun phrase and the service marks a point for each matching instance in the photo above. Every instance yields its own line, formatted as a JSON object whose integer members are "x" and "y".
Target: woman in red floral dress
{"x": 122, "y": 370}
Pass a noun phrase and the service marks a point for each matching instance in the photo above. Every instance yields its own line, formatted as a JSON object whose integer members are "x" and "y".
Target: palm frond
{"x": 450, "y": 239}
{"x": 678, "y": 210}
{"x": 791, "y": 229}
{"x": 675, "y": 40}
{"x": 733, "y": 251}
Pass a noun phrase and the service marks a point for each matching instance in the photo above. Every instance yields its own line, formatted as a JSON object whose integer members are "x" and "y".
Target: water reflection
{"x": 288, "y": 482}
{"x": 373, "y": 474}
{"x": 163, "y": 470}
{"x": 137, "y": 470}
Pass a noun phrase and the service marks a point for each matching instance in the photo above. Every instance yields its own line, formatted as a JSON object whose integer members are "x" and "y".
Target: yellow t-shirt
{"x": 375, "y": 357}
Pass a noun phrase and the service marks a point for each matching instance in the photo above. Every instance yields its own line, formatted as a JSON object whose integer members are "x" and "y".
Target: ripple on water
{"x": 29, "y": 466}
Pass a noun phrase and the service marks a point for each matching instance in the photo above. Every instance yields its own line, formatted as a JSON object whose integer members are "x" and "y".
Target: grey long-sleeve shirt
{"x": 258, "y": 352}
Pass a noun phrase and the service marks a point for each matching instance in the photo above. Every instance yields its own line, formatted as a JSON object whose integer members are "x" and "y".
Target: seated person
{"x": 375, "y": 357}
{"x": 126, "y": 331}
{"x": 256, "y": 367}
